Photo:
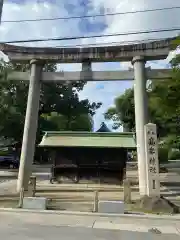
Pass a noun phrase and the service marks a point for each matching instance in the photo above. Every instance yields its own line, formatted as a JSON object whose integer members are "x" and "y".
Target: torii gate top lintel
{"x": 151, "y": 50}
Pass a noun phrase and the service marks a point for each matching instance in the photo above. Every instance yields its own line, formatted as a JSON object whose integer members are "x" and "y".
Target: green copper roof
{"x": 88, "y": 139}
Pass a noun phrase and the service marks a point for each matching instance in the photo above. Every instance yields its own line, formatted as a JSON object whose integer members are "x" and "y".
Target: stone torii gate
{"x": 138, "y": 54}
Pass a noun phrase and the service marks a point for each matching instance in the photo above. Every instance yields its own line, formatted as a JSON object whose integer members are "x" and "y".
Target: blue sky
{"x": 95, "y": 91}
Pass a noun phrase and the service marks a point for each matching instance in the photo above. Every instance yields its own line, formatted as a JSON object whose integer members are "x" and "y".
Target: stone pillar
{"x": 127, "y": 191}
{"x": 125, "y": 128}
{"x": 152, "y": 161}
{"x": 30, "y": 126}
{"x": 86, "y": 73}
{"x": 1, "y": 9}
{"x": 141, "y": 118}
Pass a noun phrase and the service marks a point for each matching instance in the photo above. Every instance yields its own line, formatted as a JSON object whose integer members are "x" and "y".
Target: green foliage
{"x": 60, "y": 106}
{"x": 163, "y": 154}
{"x": 4, "y": 153}
{"x": 172, "y": 141}
{"x": 134, "y": 155}
{"x": 123, "y": 112}
{"x": 58, "y": 122}
{"x": 174, "y": 155}
{"x": 175, "y": 43}
{"x": 112, "y": 114}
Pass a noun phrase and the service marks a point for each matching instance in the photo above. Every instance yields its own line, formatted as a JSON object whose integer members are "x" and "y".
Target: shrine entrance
{"x": 138, "y": 54}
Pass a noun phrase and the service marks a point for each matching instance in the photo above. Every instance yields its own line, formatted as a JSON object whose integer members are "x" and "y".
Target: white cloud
{"x": 40, "y": 29}
{"x": 139, "y": 21}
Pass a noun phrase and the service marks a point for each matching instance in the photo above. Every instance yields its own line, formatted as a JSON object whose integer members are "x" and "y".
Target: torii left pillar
{"x": 30, "y": 126}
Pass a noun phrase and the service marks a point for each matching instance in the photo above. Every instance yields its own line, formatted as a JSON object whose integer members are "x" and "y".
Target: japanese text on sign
{"x": 152, "y": 169}
{"x": 152, "y": 151}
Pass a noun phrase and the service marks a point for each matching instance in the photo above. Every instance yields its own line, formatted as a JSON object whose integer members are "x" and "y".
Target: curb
{"x": 126, "y": 215}
{"x": 41, "y": 188}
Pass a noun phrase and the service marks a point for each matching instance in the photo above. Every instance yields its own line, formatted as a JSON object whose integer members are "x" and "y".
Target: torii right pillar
{"x": 141, "y": 119}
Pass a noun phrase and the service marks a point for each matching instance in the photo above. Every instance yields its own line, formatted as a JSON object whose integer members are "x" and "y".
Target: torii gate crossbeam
{"x": 123, "y": 75}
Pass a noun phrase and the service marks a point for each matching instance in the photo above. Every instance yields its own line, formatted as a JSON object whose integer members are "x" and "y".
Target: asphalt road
{"x": 37, "y": 226}
{"x": 37, "y": 232}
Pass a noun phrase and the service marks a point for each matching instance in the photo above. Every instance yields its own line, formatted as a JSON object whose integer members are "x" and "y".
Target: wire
{"x": 104, "y": 44}
{"x": 90, "y": 16}
{"x": 94, "y": 36}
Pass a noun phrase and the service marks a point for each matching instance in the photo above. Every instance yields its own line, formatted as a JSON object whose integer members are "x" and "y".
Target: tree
{"x": 165, "y": 102}
{"x": 58, "y": 122}
{"x": 65, "y": 101}
{"x": 123, "y": 111}
{"x": 164, "y": 105}
{"x": 61, "y": 99}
